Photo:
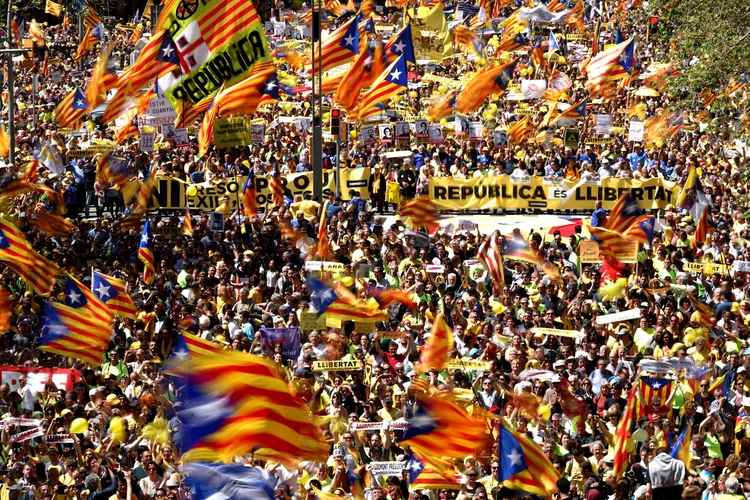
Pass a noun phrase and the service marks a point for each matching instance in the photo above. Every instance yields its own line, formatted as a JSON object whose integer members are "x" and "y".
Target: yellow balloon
{"x": 117, "y": 428}
{"x": 544, "y": 411}
{"x": 191, "y": 191}
{"x": 79, "y": 426}
{"x": 524, "y": 105}
{"x": 307, "y": 104}
{"x": 326, "y": 116}
{"x": 442, "y": 88}
{"x": 492, "y": 106}
{"x": 443, "y": 122}
{"x": 353, "y": 134}
{"x": 412, "y": 94}
{"x": 493, "y": 43}
{"x": 288, "y": 107}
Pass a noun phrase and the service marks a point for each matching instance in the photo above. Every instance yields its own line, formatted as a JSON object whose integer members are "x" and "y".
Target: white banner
{"x": 387, "y": 468}
{"x": 618, "y": 316}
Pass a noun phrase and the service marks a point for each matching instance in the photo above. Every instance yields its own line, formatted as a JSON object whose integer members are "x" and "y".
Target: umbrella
{"x": 646, "y": 92}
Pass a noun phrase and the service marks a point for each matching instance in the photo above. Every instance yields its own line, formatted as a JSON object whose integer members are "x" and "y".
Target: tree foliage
{"x": 709, "y": 40}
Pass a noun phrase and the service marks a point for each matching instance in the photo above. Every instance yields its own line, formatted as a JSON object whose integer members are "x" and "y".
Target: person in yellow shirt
{"x": 307, "y": 206}
{"x": 225, "y": 207}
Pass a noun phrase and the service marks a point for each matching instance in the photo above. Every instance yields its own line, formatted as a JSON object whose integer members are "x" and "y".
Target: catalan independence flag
{"x": 424, "y": 476}
{"x": 250, "y": 406}
{"x": 441, "y": 429}
{"x": 390, "y": 83}
{"x": 511, "y": 44}
{"x": 187, "y": 223}
{"x": 702, "y": 230}
{"x": 186, "y": 346}
{"x": 103, "y": 79}
{"x": 78, "y": 296}
{"x": 623, "y": 215}
{"x": 491, "y": 256}
{"x": 521, "y": 130}
{"x": 520, "y": 251}
{"x": 575, "y": 112}
{"x": 523, "y": 466}
{"x": 17, "y": 254}
{"x": 440, "y": 342}
{"x": 71, "y": 110}
{"x": 74, "y": 333}
{"x": 113, "y": 170}
{"x": 324, "y": 250}
{"x": 643, "y": 230}
{"x": 401, "y": 43}
{"x": 91, "y": 17}
{"x": 650, "y": 387}
{"x": 250, "y": 196}
{"x": 111, "y": 291}
{"x": 146, "y": 253}
{"x": 681, "y": 447}
{"x": 338, "y": 302}
{"x": 610, "y": 65}
{"x": 491, "y": 80}
{"x": 276, "y": 187}
{"x": 53, "y": 9}
{"x": 245, "y": 97}
{"x": 338, "y": 48}
{"x": 421, "y": 211}
{"x": 621, "y": 454}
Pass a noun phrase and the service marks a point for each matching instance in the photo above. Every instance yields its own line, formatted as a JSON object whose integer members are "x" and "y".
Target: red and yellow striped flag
{"x": 622, "y": 456}
{"x": 521, "y": 130}
{"x": 435, "y": 353}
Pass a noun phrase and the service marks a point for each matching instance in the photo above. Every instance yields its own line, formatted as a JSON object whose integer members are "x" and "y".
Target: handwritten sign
{"x": 588, "y": 252}
{"x": 310, "y": 321}
{"x": 337, "y": 366}
{"x": 618, "y": 316}
{"x": 391, "y": 335}
{"x": 629, "y": 254}
{"x": 364, "y": 326}
{"x": 742, "y": 266}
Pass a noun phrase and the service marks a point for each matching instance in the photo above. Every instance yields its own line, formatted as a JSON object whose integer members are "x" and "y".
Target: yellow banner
{"x": 588, "y": 252}
{"x": 432, "y": 39}
{"x": 310, "y": 321}
{"x": 457, "y": 364}
{"x": 170, "y": 191}
{"x": 500, "y": 192}
{"x": 706, "y": 268}
{"x": 234, "y": 131}
{"x": 337, "y": 366}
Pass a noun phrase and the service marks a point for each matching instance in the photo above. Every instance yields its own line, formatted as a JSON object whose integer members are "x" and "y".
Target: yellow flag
{"x": 432, "y": 39}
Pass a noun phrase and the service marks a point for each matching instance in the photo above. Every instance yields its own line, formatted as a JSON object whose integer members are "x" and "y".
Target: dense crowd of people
{"x": 116, "y": 431}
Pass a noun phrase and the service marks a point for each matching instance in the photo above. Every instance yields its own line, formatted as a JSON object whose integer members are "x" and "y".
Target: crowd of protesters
{"x": 225, "y": 286}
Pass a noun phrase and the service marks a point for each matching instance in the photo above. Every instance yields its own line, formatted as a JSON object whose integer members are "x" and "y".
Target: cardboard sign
{"x": 368, "y": 426}
{"x": 367, "y": 135}
{"x": 462, "y": 126}
{"x": 573, "y": 334}
{"x": 603, "y": 124}
{"x": 402, "y": 131}
{"x": 435, "y": 268}
{"x": 588, "y": 252}
{"x": 181, "y": 137}
{"x": 159, "y": 112}
{"x": 387, "y": 468}
{"x": 630, "y": 254}
{"x": 364, "y": 326}
{"x": 618, "y": 316}
{"x": 337, "y": 366}
{"x": 309, "y": 321}
{"x": 147, "y": 141}
{"x": 258, "y": 132}
{"x": 395, "y": 334}
{"x": 436, "y": 134}
{"x": 742, "y": 266}
{"x": 500, "y": 137}
{"x": 635, "y": 132}
{"x": 475, "y": 131}
{"x": 26, "y": 435}
{"x": 421, "y": 129}
{"x": 386, "y": 133}
{"x": 457, "y": 364}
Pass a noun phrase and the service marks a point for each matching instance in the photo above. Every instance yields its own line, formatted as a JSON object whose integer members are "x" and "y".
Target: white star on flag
{"x": 144, "y": 239}
{"x": 657, "y": 386}
{"x": 74, "y": 297}
{"x": 167, "y": 51}
{"x": 399, "y": 47}
{"x": 79, "y": 103}
{"x": 103, "y": 291}
{"x": 349, "y": 40}
{"x": 515, "y": 457}
{"x": 395, "y": 75}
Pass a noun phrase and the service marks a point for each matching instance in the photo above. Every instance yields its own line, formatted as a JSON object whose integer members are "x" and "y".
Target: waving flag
{"x": 401, "y": 43}
{"x": 324, "y": 250}
{"x": 612, "y": 244}
{"x": 74, "y": 333}
{"x": 490, "y": 255}
{"x": 338, "y": 48}
{"x": 111, "y": 291}
{"x": 513, "y": 43}
{"x": 276, "y": 187}
{"x": 521, "y": 130}
{"x": 421, "y": 211}
{"x": 78, "y": 296}
{"x": 441, "y": 429}
{"x": 520, "y": 251}
{"x": 424, "y": 476}
{"x": 681, "y": 447}
{"x": 386, "y": 297}
{"x": 237, "y": 402}
{"x": 642, "y": 231}
{"x": 575, "y": 112}
{"x": 249, "y": 196}
{"x": 610, "y": 65}
{"x": 272, "y": 89}
{"x": 652, "y": 387}
{"x": 347, "y": 93}
{"x": 440, "y": 342}
{"x": 491, "y": 80}
{"x": 230, "y": 481}
{"x": 71, "y": 109}
{"x": 623, "y": 215}
{"x": 702, "y": 230}
{"x": 113, "y": 170}
{"x": 206, "y": 131}
{"x": 338, "y": 302}
{"x": 523, "y": 466}
{"x": 17, "y": 254}
{"x": 90, "y": 17}
{"x": 621, "y": 454}
{"x": 390, "y": 83}
{"x": 208, "y": 39}
{"x": 36, "y": 34}
{"x": 103, "y": 79}
{"x": 244, "y": 98}
{"x": 146, "y": 253}
{"x": 53, "y": 9}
